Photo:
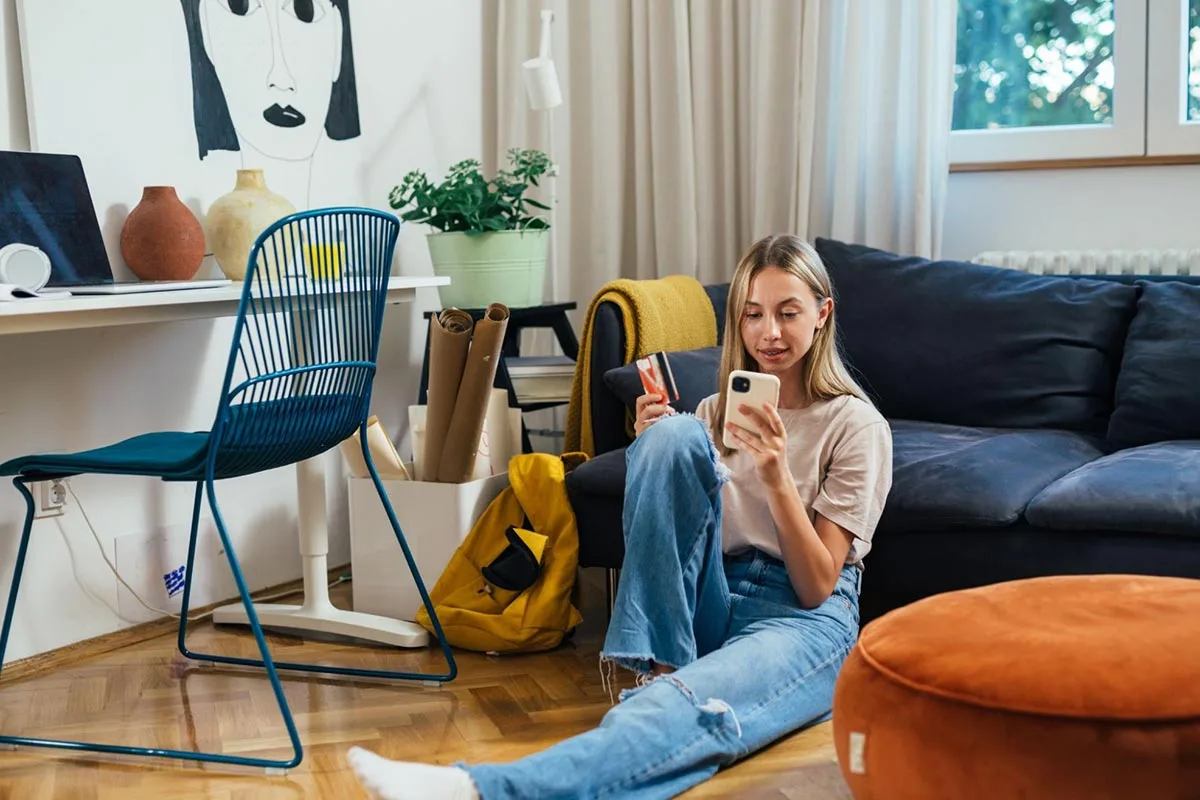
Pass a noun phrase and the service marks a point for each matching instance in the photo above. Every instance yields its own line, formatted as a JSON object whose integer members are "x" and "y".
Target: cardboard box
{"x": 435, "y": 519}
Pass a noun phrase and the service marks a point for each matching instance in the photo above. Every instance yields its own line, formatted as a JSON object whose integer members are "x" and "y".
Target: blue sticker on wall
{"x": 174, "y": 581}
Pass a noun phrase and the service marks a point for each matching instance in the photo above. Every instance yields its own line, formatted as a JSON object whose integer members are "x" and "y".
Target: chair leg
{"x": 124, "y": 750}
{"x": 188, "y": 570}
{"x": 452, "y": 668}
{"x": 18, "y": 567}
{"x": 612, "y": 578}
{"x": 255, "y": 627}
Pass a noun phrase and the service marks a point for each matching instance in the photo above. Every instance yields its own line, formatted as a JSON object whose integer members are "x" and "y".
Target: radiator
{"x": 1095, "y": 262}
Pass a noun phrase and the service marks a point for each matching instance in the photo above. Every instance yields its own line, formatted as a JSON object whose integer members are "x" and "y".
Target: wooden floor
{"x": 498, "y": 709}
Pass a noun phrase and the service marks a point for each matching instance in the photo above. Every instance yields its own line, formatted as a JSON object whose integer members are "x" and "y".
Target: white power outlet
{"x": 52, "y": 498}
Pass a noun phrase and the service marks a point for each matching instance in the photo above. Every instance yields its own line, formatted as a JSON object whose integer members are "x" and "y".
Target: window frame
{"x": 1125, "y": 137}
{"x": 1168, "y": 131}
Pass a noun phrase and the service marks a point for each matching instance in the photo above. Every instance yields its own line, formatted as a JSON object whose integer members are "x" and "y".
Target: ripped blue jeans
{"x": 752, "y": 665}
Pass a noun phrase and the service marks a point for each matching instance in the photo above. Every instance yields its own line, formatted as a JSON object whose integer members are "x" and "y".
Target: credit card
{"x": 655, "y": 372}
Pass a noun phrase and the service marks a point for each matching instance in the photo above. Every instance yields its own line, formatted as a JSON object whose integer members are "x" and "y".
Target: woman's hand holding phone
{"x": 650, "y": 407}
{"x": 767, "y": 444}
{"x": 752, "y": 424}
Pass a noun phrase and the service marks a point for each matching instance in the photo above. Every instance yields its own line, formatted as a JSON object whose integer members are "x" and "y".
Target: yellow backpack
{"x": 507, "y": 588}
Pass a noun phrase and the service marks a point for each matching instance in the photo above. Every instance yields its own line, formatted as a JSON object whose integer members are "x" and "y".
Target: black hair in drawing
{"x": 214, "y": 126}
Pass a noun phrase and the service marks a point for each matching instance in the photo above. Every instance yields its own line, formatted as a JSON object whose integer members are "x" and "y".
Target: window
{"x": 1066, "y": 79}
{"x": 1173, "y": 78}
{"x": 1032, "y": 63}
{"x": 1192, "y": 44}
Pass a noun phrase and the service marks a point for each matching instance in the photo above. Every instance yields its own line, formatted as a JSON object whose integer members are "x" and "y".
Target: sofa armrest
{"x": 608, "y": 352}
{"x": 596, "y": 490}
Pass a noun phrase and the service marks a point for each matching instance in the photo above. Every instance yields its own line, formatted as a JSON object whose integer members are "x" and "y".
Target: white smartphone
{"x": 753, "y": 389}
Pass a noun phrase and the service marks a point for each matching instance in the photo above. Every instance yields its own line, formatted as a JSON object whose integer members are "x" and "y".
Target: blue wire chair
{"x": 298, "y": 383}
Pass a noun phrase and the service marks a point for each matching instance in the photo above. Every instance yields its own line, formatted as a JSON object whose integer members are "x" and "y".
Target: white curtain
{"x": 690, "y": 129}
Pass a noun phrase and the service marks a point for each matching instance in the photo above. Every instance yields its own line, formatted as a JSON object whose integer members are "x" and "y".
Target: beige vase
{"x": 236, "y": 219}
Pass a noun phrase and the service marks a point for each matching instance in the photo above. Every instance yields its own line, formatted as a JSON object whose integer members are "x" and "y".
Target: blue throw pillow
{"x": 969, "y": 344}
{"x": 695, "y": 374}
{"x": 1158, "y": 388}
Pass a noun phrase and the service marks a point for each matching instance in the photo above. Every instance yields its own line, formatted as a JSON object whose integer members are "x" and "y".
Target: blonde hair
{"x": 824, "y": 375}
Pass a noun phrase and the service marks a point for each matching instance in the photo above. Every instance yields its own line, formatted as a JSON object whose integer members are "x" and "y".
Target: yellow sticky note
{"x": 325, "y": 260}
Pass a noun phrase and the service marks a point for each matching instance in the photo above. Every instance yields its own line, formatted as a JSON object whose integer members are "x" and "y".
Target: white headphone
{"x": 24, "y": 265}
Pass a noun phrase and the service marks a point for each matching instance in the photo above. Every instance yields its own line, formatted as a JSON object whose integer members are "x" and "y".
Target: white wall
{"x": 80, "y": 389}
{"x": 1108, "y": 208}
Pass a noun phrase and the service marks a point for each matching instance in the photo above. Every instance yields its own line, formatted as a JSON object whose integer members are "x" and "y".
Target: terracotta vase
{"x": 236, "y": 219}
{"x": 161, "y": 239}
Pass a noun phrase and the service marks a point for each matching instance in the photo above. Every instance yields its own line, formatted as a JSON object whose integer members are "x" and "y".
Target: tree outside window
{"x": 1026, "y": 63}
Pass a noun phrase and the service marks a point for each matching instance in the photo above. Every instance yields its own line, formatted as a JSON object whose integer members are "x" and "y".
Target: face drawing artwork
{"x": 274, "y": 76}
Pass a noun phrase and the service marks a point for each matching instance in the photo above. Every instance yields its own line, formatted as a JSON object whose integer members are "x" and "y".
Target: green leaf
{"x": 465, "y": 200}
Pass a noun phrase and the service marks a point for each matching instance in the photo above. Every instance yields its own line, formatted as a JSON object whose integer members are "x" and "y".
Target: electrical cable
{"x": 138, "y": 597}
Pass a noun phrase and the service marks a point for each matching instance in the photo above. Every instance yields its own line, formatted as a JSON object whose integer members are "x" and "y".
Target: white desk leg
{"x": 318, "y": 613}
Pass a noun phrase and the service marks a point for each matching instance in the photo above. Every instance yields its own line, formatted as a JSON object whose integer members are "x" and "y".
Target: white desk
{"x": 317, "y": 613}
{"x": 96, "y": 311}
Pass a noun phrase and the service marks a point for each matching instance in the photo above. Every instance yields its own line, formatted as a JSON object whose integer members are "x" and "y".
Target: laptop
{"x": 45, "y": 202}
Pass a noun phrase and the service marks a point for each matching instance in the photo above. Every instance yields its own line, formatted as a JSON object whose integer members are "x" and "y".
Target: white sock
{"x": 408, "y": 780}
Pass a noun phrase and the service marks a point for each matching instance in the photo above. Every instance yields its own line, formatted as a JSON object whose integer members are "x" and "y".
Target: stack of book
{"x": 541, "y": 379}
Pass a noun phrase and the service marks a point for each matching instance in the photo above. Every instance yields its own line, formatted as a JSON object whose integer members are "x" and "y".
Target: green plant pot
{"x": 506, "y": 267}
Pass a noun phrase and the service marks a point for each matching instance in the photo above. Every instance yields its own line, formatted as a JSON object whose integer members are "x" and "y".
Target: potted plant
{"x": 486, "y": 239}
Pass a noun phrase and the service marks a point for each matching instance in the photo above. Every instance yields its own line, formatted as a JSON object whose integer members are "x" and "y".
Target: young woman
{"x": 738, "y": 599}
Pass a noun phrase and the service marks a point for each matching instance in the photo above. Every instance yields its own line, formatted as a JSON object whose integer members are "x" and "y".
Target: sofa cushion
{"x": 695, "y": 374}
{"x": 1156, "y": 397}
{"x": 1154, "y": 488}
{"x": 947, "y": 476}
{"x": 969, "y": 344}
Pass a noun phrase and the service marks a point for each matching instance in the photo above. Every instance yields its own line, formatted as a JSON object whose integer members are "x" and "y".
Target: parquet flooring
{"x": 498, "y": 709}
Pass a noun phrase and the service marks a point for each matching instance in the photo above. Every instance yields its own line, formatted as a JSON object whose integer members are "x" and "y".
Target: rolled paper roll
{"x": 449, "y": 343}
{"x": 470, "y": 407}
{"x": 499, "y": 429}
{"x": 383, "y": 453}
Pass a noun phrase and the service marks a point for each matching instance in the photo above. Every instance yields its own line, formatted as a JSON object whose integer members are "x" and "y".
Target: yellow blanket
{"x": 671, "y": 313}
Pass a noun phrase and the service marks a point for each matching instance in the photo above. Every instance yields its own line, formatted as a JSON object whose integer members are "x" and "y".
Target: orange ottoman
{"x": 1060, "y": 687}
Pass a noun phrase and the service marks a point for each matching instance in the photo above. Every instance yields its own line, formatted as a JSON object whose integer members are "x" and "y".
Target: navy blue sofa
{"x": 1042, "y": 425}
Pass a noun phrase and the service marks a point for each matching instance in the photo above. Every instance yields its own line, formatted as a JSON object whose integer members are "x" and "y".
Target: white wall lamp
{"x": 544, "y": 94}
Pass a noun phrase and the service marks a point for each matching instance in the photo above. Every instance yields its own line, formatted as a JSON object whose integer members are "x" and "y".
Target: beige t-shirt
{"x": 840, "y": 453}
